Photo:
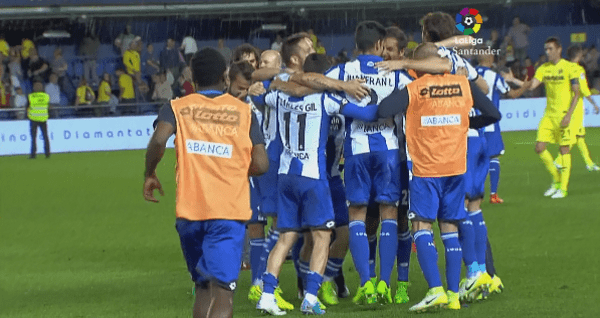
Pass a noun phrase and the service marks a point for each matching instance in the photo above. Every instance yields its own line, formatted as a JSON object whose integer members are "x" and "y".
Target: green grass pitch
{"x": 78, "y": 240}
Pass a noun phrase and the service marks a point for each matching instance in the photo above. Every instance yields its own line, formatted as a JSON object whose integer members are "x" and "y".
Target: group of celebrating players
{"x": 417, "y": 136}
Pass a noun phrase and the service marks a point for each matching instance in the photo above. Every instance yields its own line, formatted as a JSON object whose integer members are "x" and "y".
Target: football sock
{"x": 372, "y": 254}
{"x": 467, "y": 243}
{"x": 304, "y": 270}
{"x": 494, "y": 175}
{"x": 565, "y": 172}
{"x": 549, "y": 163}
{"x": 585, "y": 153}
{"x": 270, "y": 282}
{"x": 453, "y": 260}
{"x": 480, "y": 230}
{"x": 388, "y": 242}
{"x": 403, "y": 255}
{"x": 334, "y": 266}
{"x": 359, "y": 249}
{"x": 489, "y": 260}
{"x": 256, "y": 249}
{"x": 270, "y": 241}
{"x": 313, "y": 283}
{"x": 340, "y": 280}
{"x": 427, "y": 256}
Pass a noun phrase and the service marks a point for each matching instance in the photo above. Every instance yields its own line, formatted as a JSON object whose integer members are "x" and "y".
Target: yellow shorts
{"x": 550, "y": 131}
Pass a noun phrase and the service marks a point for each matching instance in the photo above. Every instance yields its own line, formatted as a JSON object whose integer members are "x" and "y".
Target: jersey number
{"x": 301, "y": 120}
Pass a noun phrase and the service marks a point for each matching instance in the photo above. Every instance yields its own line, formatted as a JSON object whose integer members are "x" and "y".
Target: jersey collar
{"x": 210, "y": 92}
{"x": 369, "y": 58}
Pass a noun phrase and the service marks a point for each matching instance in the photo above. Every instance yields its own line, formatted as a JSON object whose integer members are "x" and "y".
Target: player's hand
{"x": 509, "y": 77}
{"x": 564, "y": 123}
{"x": 596, "y": 110}
{"x": 356, "y": 88}
{"x": 275, "y": 84}
{"x": 390, "y": 65}
{"x": 150, "y": 185}
{"x": 462, "y": 71}
{"x": 256, "y": 89}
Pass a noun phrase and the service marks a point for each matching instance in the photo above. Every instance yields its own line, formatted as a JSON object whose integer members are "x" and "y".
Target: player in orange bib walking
{"x": 218, "y": 144}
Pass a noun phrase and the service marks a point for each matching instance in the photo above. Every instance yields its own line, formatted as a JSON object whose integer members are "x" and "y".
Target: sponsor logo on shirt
{"x": 200, "y": 147}
{"x": 441, "y": 91}
{"x": 440, "y": 120}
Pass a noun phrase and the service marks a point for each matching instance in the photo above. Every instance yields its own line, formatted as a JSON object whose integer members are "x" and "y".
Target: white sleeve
{"x": 403, "y": 80}
{"x": 271, "y": 99}
{"x": 334, "y": 73}
{"x": 501, "y": 85}
{"x": 332, "y": 103}
{"x": 471, "y": 70}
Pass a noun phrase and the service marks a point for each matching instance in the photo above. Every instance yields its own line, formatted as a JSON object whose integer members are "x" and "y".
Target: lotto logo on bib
{"x": 468, "y": 21}
{"x": 206, "y": 148}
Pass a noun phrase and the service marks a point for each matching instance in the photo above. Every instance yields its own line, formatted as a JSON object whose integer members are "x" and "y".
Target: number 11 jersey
{"x": 304, "y": 128}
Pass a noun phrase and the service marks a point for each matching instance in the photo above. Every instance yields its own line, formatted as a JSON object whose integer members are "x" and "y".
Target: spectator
{"x": 320, "y": 49}
{"x": 185, "y": 80}
{"x": 412, "y": 44}
{"x": 508, "y": 49}
{"x": 4, "y": 47}
{"x": 276, "y": 46}
{"x": 124, "y": 39}
{"x": 4, "y": 94}
{"x": 519, "y": 33}
{"x": 89, "y": 50}
{"x": 14, "y": 67}
{"x": 126, "y": 91}
{"x": 85, "y": 96}
{"x": 542, "y": 58}
{"x": 162, "y": 90}
{"x": 189, "y": 47}
{"x": 131, "y": 60}
{"x": 494, "y": 41}
{"x": 26, "y": 47}
{"x": 591, "y": 62}
{"x": 37, "y": 112}
{"x": 38, "y": 67}
{"x": 104, "y": 94}
{"x": 150, "y": 63}
{"x": 169, "y": 58}
{"x": 224, "y": 50}
{"x": 59, "y": 66}
{"x": 313, "y": 38}
{"x": 248, "y": 53}
{"x": 19, "y": 100}
{"x": 529, "y": 69}
{"x": 53, "y": 91}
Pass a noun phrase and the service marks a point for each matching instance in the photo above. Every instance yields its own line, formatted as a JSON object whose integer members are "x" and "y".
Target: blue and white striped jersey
{"x": 337, "y": 135}
{"x": 498, "y": 87}
{"x": 364, "y": 137}
{"x": 458, "y": 62}
{"x": 303, "y": 130}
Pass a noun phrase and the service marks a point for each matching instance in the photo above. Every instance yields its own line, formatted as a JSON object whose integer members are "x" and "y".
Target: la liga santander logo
{"x": 468, "y": 21}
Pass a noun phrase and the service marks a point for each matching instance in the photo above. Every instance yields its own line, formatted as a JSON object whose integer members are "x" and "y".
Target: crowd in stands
{"x": 145, "y": 78}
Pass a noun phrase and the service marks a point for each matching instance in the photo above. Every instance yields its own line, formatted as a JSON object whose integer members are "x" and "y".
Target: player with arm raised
{"x": 557, "y": 126}
{"x": 215, "y": 155}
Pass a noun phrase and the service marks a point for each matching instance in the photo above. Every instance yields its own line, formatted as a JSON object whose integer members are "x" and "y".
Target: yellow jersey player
{"x": 575, "y": 54}
{"x": 557, "y": 125}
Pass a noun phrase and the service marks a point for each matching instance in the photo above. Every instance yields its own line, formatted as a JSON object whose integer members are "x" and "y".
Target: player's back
{"x": 363, "y": 137}
{"x": 496, "y": 83}
{"x": 213, "y": 149}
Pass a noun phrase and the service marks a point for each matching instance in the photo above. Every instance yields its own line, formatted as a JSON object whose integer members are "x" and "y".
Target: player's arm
{"x": 396, "y": 103}
{"x": 509, "y": 77}
{"x": 489, "y": 113}
{"x": 515, "y": 93}
{"x": 260, "y": 161}
{"x": 596, "y": 108}
{"x": 265, "y": 74}
{"x": 460, "y": 41}
{"x": 537, "y": 78}
{"x": 432, "y": 64}
{"x": 154, "y": 153}
{"x": 576, "y": 93}
{"x": 292, "y": 88}
{"x": 585, "y": 92}
{"x": 482, "y": 84}
{"x": 320, "y": 82}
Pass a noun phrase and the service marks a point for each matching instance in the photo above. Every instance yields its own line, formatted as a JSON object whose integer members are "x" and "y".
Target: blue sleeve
{"x": 365, "y": 113}
{"x": 395, "y": 103}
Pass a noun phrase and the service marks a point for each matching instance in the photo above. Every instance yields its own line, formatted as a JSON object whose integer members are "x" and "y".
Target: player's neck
{"x": 555, "y": 61}
{"x": 219, "y": 88}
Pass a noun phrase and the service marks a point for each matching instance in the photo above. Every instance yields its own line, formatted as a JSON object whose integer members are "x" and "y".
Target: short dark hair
{"x": 573, "y": 50}
{"x": 399, "y": 35}
{"x": 208, "y": 67}
{"x": 290, "y": 45}
{"x": 317, "y": 63}
{"x": 554, "y": 40}
{"x": 367, "y": 34}
{"x": 242, "y": 68}
{"x": 425, "y": 50}
{"x": 438, "y": 26}
{"x": 245, "y": 48}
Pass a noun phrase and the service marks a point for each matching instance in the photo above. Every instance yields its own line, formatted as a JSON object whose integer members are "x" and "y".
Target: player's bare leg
{"x": 540, "y": 149}
{"x": 318, "y": 262}
{"x": 221, "y": 302}
{"x": 565, "y": 172}
{"x": 201, "y": 301}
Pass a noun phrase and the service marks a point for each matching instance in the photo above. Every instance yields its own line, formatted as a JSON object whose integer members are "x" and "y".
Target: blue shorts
{"x": 495, "y": 144}
{"x": 404, "y": 186}
{"x": 268, "y": 183}
{"x": 437, "y": 198}
{"x": 478, "y": 164}
{"x": 338, "y": 198}
{"x": 303, "y": 204}
{"x": 257, "y": 216}
{"x": 203, "y": 244}
{"x": 376, "y": 173}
